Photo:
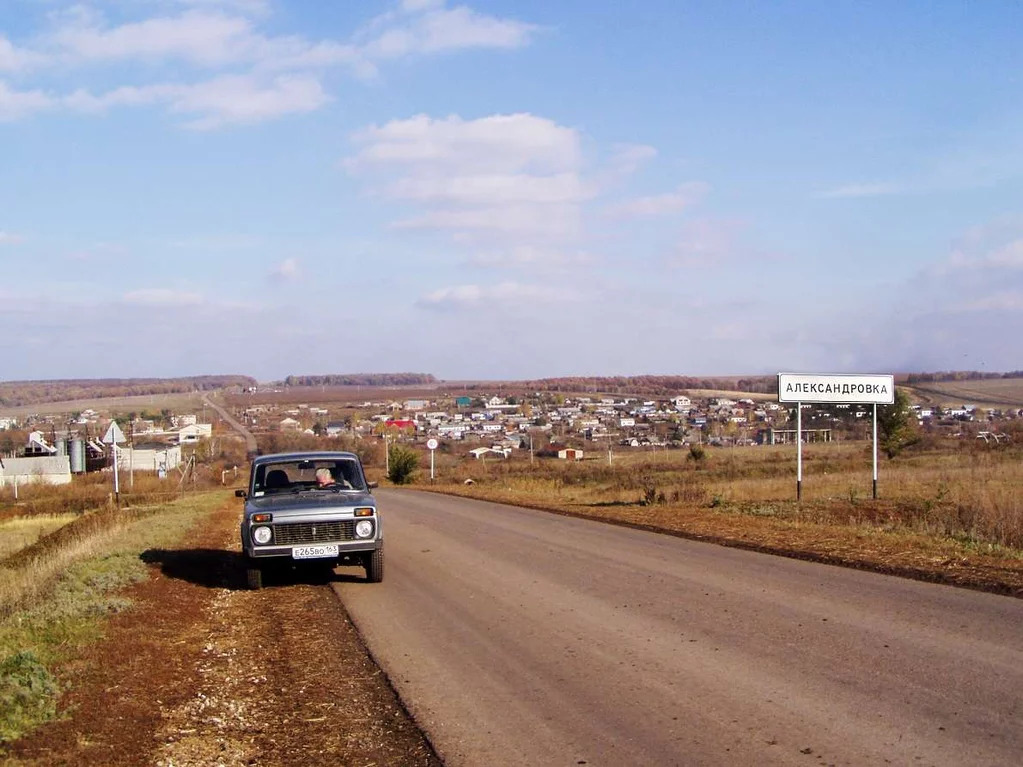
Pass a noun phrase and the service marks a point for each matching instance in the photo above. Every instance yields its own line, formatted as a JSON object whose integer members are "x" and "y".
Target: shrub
{"x": 697, "y": 453}
{"x": 403, "y": 463}
{"x": 27, "y": 694}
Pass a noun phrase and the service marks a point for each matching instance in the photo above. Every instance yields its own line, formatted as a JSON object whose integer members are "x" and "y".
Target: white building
{"x": 49, "y": 469}
{"x": 152, "y": 457}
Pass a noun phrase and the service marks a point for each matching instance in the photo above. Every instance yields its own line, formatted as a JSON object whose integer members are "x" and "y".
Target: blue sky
{"x": 509, "y": 189}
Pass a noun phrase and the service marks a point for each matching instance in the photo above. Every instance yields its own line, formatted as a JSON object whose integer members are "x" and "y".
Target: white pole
{"x": 799, "y": 451}
{"x": 117, "y": 484}
{"x": 875, "y": 451}
{"x": 431, "y": 465}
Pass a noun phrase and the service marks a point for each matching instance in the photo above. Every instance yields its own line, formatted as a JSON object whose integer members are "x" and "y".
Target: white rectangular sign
{"x": 836, "y": 387}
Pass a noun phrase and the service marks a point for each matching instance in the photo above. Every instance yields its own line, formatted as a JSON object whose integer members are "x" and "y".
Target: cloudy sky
{"x": 509, "y": 189}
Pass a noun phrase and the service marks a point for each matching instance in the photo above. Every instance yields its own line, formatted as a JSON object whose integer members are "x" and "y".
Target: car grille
{"x": 314, "y": 532}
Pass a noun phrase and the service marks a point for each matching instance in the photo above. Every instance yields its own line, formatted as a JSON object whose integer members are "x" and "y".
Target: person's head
{"x": 324, "y": 477}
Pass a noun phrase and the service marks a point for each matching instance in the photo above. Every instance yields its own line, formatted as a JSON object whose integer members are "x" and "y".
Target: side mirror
{"x": 240, "y": 494}
{"x": 371, "y": 485}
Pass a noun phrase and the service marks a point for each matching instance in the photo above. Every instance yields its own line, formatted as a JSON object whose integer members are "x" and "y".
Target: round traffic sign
{"x": 432, "y": 444}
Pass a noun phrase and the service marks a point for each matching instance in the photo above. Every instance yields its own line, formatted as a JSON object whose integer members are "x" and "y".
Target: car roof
{"x": 309, "y": 455}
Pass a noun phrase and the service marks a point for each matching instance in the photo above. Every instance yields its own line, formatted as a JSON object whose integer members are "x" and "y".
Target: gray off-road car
{"x": 310, "y": 509}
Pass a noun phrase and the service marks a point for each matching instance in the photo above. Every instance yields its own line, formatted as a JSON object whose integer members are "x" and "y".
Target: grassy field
{"x": 60, "y": 576}
{"x": 990, "y": 392}
{"x": 952, "y": 514}
{"x": 185, "y": 402}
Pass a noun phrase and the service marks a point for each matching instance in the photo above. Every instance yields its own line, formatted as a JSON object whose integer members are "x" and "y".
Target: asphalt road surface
{"x": 517, "y": 637}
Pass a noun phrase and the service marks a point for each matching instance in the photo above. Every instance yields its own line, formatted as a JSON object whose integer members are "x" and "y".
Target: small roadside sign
{"x": 432, "y": 445}
{"x": 114, "y": 434}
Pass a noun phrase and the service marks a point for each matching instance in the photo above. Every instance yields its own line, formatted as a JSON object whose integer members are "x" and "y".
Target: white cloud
{"x": 660, "y": 204}
{"x": 493, "y": 188}
{"x": 162, "y": 297}
{"x": 222, "y": 39}
{"x": 197, "y": 36}
{"x": 532, "y": 257}
{"x": 505, "y": 294}
{"x": 628, "y": 158}
{"x": 706, "y": 242}
{"x": 288, "y": 269}
{"x": 1000, "y": 301}
{"x": 226, "y": 100}
{"x": 15, "y": 105}
{"x": 14, "y": 59}
{"x": 523, "y": 220}
{"x": 438, "y": 30}
{"x": 234, "y": 100}
{"x": 512, "y": 174}
{"x": 498, "y": 143}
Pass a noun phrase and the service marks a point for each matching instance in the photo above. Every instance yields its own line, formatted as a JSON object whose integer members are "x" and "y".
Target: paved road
{"x": 250, "y": 440}
{"x": 517, "y": 637}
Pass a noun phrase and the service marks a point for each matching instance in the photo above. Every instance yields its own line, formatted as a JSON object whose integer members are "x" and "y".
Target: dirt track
{"x": 205, "y": 672}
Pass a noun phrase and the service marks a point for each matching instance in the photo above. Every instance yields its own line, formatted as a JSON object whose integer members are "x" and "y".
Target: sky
{"x": 509, "y": 190}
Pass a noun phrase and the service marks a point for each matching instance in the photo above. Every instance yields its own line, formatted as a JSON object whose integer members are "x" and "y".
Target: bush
{"x": 697, "y": 453}
{"x": 403, "y": 464}
{"x": 27, "y": 694}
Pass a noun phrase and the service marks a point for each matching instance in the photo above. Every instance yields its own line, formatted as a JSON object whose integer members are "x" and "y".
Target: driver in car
{"x": 325, "y": 479}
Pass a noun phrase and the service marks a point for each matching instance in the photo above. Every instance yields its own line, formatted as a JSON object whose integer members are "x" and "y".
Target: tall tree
{"x": 895, "y": 425}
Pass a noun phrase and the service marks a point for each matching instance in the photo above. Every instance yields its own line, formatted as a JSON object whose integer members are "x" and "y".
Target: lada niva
{"x": 311, "y": 508}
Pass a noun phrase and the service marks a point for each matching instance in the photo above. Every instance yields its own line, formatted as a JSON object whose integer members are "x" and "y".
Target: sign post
{"x": 432, "y": 445}
{"x": 799, "y": 451}
{"x": 112, "y": 437}
{"x": 840, "y": 388}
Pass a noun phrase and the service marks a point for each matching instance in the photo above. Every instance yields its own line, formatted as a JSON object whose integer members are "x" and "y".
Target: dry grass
{"x": 50, "y": 527}
{"x": 992, "y": 391}
{"x": 954, "y": 514}
{"x": 16, "y": 534}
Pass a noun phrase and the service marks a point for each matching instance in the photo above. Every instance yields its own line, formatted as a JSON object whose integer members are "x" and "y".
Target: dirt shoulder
{"x": 202, "y": 671}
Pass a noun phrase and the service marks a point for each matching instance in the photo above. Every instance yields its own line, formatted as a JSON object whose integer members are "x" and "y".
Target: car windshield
{"x": 297, "y": 476}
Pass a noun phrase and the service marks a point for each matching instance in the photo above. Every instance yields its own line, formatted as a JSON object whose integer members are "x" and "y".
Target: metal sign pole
{"x": 117, "y": 484}
{"x": 875, "y": 451}
{"x": 799, "y": 451}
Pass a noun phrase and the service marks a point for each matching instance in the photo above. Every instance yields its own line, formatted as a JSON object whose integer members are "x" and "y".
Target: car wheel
{"x": 254, "y": 577}
{"x": 375, "y": 566}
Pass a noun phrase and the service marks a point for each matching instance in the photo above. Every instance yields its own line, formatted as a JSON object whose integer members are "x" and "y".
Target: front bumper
{"x": 344, "y": 548}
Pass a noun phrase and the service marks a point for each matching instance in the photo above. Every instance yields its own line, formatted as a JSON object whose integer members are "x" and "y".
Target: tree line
{"x": 361, "y": 379}
{"x": 15, "y": 393}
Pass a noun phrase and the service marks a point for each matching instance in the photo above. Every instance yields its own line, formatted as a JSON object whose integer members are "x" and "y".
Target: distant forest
{"x": 646, "y": 385}
{"x": 362, "y": 379}
{"x": 15, "y": 393}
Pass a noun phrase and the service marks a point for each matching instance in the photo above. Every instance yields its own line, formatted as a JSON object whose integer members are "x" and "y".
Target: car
{"x": 292, "y": 518}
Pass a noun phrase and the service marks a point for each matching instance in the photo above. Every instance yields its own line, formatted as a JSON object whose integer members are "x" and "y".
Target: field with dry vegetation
{"x": 949, "y": 512}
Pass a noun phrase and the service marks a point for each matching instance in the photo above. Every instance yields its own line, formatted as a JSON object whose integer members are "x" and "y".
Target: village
{"x": 571, "y": 427}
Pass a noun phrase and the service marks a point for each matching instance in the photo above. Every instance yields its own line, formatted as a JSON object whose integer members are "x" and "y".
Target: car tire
{"x": 254, "y": 578}
{"x": 375, "y": 566}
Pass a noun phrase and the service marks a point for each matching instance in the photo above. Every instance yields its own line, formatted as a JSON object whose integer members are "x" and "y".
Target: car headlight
{"x": 262, "y": 535}
{"x": 363, "y": 528}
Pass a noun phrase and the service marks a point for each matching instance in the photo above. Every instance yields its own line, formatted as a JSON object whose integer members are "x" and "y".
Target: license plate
{"x": 314, "y": 552}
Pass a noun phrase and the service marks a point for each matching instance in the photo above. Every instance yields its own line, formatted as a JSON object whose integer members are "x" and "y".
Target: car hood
{"x": 310, "y": 500}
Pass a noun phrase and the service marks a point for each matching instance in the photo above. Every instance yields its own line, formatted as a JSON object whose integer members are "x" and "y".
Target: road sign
{"x": 843, "y": 388}
{"x": 114, "y": 434}
{"x": 836, "y": 387}
{"x": 432, "y": 444}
